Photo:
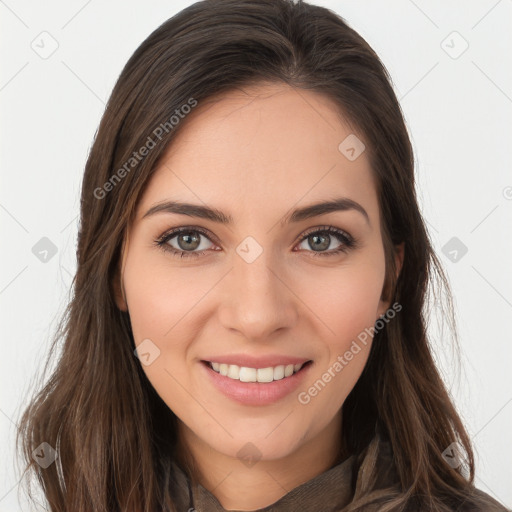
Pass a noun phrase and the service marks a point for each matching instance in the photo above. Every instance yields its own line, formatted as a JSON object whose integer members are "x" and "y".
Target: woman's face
{"x": 259, "y": 286}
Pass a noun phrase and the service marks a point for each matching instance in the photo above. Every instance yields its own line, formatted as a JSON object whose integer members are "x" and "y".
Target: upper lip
{"x": 249, "y": 361}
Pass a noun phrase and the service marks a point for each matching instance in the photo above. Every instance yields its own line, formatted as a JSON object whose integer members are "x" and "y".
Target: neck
{"x": 248, "y": 487}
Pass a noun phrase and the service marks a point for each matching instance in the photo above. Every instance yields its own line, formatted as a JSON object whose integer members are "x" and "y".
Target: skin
{"x": 255, "y": 154}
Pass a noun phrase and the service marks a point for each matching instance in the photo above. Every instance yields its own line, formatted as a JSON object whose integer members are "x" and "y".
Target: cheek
{"x": 346, "y": 299}
{"x": 160, "y": 301}
{"x": 346, "y": 302}
{"x": 159, "y": 297}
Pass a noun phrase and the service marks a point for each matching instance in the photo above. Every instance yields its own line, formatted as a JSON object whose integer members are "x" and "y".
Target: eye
{"x": 320, "y": 239}
{"x": 186, "y": 241}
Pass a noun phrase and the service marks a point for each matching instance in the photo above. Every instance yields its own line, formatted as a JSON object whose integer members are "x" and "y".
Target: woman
{"x": 246, "y": 330}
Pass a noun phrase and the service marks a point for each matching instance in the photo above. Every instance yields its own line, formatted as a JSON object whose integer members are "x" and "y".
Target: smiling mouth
{"x": 261, "y": 375}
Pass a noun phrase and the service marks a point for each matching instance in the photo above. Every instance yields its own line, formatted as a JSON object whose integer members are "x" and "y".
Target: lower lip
{"x": 256, "y": 393}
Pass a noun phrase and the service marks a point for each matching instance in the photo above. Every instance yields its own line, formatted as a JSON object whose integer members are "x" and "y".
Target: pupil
{"x": 325, "y": 245}
{"x": 191, "y": 240}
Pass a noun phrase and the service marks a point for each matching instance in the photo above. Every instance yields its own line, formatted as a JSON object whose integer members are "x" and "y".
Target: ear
{"x": 118, "y": 288}
{"x": 399, "y": 257}
{"x": 399, "y": 260}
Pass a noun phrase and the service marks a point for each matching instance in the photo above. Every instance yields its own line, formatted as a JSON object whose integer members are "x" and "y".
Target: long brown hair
{"x": 114, "y": 436}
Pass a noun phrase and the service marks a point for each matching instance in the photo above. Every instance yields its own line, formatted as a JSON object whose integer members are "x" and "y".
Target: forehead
{"x": 263, "y": 146}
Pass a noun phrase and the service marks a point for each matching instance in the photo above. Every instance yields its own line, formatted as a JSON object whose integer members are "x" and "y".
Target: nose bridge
{"x": 257, "y": 301}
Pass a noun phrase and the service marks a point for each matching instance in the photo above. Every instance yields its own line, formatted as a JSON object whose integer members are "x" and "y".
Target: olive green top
{"x": 331, "y": 491}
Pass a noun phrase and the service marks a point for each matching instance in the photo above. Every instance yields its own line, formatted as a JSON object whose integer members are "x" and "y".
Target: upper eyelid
{"x": 324, "y": 227}
{"x": 168, "y": 235}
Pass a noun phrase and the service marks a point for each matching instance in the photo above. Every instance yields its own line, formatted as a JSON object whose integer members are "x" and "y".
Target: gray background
{"x": 457, "y": 103}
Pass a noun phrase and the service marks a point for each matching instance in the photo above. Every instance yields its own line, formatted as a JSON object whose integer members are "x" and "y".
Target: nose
{"x": 257, "y": 299}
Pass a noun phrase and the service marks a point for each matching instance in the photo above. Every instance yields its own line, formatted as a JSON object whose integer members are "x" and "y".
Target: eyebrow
{"x": 297, "y": 215}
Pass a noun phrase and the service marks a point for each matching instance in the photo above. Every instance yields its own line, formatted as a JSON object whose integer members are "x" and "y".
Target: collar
{"x": 331, "y": 491}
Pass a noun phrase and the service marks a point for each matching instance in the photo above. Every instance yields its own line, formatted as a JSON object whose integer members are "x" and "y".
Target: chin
{"x": 269, "y": 441}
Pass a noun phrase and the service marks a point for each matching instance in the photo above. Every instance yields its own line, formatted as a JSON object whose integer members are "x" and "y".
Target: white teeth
{"x": 279, "y": 372}
{"x": 245, "y": 374}
{"x": 234, "y": 372}
{"x": 265, "y": 374}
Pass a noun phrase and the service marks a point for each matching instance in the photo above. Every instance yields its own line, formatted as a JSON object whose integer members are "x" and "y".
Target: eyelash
{"x": 347, "y": 241}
